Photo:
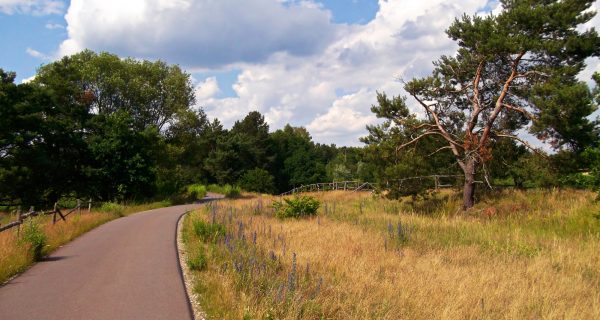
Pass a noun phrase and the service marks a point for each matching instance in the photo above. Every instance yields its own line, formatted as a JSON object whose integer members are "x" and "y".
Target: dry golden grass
{"x": 16, "y": 254}
{"x": 516, "y": 255}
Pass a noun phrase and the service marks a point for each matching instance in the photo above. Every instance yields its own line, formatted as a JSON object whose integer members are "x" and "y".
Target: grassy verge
{"x": 21, "y": 247}
{"x": 37, "y": 237}
{"x": 517, "y": 255}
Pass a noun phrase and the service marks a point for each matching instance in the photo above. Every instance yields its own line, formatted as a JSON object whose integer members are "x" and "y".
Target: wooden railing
{"x": 333, "y": 186}
{"x": 366, "y": 186}
{"x": 57, "y": 214}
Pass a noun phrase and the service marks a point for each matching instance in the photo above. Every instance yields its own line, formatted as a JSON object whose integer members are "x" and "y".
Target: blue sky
{"x": 311, "y": 63}
{"x": 44, "y": 33}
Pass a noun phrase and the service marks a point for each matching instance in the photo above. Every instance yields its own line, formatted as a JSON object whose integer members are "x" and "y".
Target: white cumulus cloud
{"x": 197, "y": 33}
{"x": 295, "y": 65}
{"x": 34, "y": 7}
{"x": 36, "y": 54}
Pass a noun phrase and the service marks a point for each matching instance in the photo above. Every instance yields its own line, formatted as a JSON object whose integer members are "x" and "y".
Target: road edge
{"x": 186, "y": 275}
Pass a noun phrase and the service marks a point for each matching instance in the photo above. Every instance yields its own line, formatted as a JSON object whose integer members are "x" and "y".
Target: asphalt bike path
{"x": 127, "y": 268}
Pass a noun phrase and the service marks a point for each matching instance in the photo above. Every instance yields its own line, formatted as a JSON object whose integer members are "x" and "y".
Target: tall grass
{"x": 227, "y": 190}
{"x": 516, "y": 255}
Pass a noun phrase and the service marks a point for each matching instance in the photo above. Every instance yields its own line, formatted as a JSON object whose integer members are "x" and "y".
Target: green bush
{"x": 208, "y": 231}
{"x": 112, "y": 207}
{"x": 35, "y": 237}
{"x": 199, "y": 261}
{"x": 195, "y": 192}
{"x": 296, "y": 207}
{"x": 257, "y": 180}
{"x": 226, "y": 190}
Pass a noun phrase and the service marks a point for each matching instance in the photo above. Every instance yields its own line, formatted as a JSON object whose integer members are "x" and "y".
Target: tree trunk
{"x": 469, "y": 188}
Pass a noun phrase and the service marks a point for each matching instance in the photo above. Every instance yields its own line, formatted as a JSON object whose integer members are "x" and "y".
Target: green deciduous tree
{"x": 151, "y": 92}
{"x": 511, "y": 70}
{"x": 123, "y": 158}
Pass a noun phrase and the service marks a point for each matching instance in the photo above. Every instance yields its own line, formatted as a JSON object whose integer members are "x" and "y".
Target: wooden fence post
{"x": 78, "y": 206}
{"x": 57, "y": 211}
{"x": 20, "y": 219}
{"x": 90, "y": 205}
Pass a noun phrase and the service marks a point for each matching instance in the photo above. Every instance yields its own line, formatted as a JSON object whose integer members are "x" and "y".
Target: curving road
{"x": 125, "y": 269}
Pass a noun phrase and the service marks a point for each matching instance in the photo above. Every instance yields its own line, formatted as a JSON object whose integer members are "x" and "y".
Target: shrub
{"x": 296, "y": 207}
{"x": 257, "y": 180}
{"x": 226, "y": 190}
{"x": 198, "y": 262}
{"x": 112, "y": 207}
{"x": 195, "y": 192}
{"x": 35, "y": 237}
{"x": 208, "y": 231}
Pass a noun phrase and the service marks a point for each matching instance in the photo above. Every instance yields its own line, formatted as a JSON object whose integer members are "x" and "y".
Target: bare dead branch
{"x": 476, "y": 99}
{"x": 428, "y": 133}
{"x": 500, "y": 100}
{"x": 531, "y": 72}
{"x": 438, "y": 150}
{"x": 521, "y": 110}
{"x": 453, "y": 144}
{"x": 523, "y": 142}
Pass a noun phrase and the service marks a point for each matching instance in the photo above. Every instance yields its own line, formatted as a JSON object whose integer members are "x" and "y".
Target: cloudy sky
{"x": 311, "y": 63}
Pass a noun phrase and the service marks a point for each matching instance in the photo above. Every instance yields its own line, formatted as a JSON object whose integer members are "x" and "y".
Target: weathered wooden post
{"x": 78, "y": 206}
{"x": 90, "y": 205}
{"x": 20, "y": 219}
{"x": 54, "y": 213}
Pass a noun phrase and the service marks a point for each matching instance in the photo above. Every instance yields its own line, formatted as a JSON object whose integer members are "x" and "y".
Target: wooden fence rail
{"x": 332, "y": 186}
{"x": 365, "y": 186}
{"x": 56, "y": 213}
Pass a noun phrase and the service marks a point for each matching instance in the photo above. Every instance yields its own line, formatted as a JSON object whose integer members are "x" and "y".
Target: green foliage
{"x": 227, "y": 190}
{"x": 208, "y": 232}
{"x": 89, "y": 124}
{"x": 298, "y": 160}
{"x": 112, "y": 207}
{"x": 188, "y": 143}
{"x": 199, "y": 261}
{"x": 151, "y": 92}
{"x": 296, "y": 207}
{"x": 123, "y": 160}
{"x": 35, "y": 238}
{"x": 243, "y": 148}
{"x": 257, "y": 180}
{"x": 592, "y": 177}
{"x": 195, "y": 192}
{"x": 513, "y": 70}
{"x": 42, "y": 148}
{"x": 419, "y": 159}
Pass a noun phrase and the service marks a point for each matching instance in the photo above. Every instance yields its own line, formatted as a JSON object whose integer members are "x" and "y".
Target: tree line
{"x": 95, "y": 125}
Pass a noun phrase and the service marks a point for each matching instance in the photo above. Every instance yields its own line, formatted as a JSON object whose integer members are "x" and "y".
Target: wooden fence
{"x": 332, "y": 186}
{"x": 57, "y": 214}
{"x": 367, "y": 186}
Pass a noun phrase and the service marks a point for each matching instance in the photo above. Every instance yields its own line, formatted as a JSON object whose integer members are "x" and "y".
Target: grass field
{"x": 22, "y": 246}
{"x": 517, "y": 255}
